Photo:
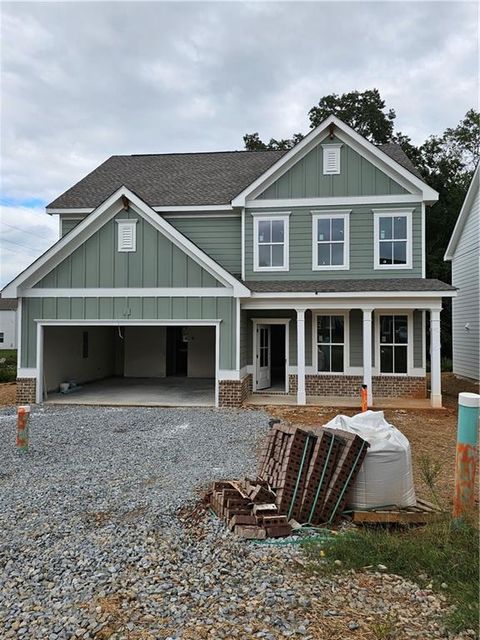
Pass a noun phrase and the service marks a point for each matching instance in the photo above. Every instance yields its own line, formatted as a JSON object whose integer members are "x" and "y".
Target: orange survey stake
{"x": 364, "y": 396}
{"x": 23, "y": 414}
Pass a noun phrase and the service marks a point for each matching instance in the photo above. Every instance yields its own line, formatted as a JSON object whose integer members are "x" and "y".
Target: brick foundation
{"x": 26, "y": 390}
{"x": 232, "y": 393}
{"x": 349, "y": 386}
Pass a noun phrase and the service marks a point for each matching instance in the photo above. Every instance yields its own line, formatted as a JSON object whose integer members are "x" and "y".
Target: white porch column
{"x": 301, "y": 395}
{"x": 435, "y": 362}
{"x": 367, "y": 353}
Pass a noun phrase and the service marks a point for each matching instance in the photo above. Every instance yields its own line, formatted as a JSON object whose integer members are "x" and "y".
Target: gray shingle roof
{"x": 396, "y": 152}
{"x": 348, "y": 286}
{"x": 176, "y": 179}
{"x": 182, "y": 179}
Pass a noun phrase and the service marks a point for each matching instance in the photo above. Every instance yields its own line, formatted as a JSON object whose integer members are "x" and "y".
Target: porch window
{"x": 330, "y": 240}
{"x": 330, "y": 343}
{"x": 393, "y": 239}
{"x": 271, "y": 243}
{"x": 393, "y": 344}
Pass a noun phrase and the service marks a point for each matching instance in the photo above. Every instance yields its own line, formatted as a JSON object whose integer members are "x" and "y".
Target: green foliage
{"x": 445, "y": 551}
{"x": 8, "y": 365}
{"x": 253, "y": 143}
{"x": 363, "y": 111}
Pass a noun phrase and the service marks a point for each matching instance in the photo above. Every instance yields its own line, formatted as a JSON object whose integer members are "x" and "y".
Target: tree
{"x": 253, "y": 143}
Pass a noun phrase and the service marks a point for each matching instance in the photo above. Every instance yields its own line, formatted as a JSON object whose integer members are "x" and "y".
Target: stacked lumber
{"x": 304, "y": 476}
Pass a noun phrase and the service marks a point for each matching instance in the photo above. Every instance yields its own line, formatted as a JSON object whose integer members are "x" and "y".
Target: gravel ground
{"x": 101, "y": 536}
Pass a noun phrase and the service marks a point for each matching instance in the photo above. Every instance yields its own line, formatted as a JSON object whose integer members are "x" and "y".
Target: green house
{"x": 216, "y": 278}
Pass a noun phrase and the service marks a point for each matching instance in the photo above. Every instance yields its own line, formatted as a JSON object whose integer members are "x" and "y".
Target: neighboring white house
{"x": 464, "y": 252}
{"x": 8, "y": 323}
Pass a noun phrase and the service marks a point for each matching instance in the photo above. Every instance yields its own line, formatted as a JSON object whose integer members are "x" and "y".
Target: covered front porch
{"x": 321, "y": 350}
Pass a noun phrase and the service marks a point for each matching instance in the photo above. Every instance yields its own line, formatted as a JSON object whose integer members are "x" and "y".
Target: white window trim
{"x": 346, "y": 342}
{"x": 270, "y": 217}
{"x": 410, "y": 339}
{"x": 124, "y": 223}
{"x": 391, "y": 213}
{"x": 343, "y": 214}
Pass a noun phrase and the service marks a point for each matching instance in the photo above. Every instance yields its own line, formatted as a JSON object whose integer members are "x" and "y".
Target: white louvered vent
{"x": 331, "y": 158}
{"x": 127, "y": 237}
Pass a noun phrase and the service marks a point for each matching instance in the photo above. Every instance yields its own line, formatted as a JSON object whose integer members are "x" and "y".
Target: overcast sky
{"x": 84, "y": 80}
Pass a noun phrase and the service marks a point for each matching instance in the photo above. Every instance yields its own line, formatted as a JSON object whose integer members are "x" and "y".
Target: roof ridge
{"x": 196, "y": 153}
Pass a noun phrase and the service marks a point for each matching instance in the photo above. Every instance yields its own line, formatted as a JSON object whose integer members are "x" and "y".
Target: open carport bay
{"x": 131, "y": 365}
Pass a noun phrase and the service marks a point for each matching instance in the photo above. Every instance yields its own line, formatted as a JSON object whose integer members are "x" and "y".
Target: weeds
{"x": 431, "y": 471}
{"x": 446, "y": 551}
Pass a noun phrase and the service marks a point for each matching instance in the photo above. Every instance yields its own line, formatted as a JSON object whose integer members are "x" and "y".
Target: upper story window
{"x": 271, "y": 242}
{"x": 393, "y": 239}
{"x": 127, "y": 235}
{"x": 331, "y": 158}
{"x": 330, "y": 249}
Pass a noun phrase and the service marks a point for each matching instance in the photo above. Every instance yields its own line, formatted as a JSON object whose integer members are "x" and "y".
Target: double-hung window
{"x": 271, "y": 242}
{"x": 393, "y": 344}
{"x": 393, "y": 239}
{"x": 330, "y": 249}
{"x": 330, "y": 343}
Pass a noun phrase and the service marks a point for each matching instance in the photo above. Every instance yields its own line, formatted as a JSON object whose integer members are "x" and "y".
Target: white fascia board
{"x": 173, "y": 209}
{"x": 137, "y": 292}
{"x": 463, "y": 215}
{"x": 89, "y": 225}
{"x": 69, "y": 211}
{"x": 347, "y": 135}
{"x": 303, "y": 302}
{"x": 180, "y": 322}
{"x": 335, "y": 200}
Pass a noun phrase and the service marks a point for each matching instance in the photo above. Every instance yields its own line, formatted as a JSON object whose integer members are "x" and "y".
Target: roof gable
{"x": 375, "y": 155}
{"x": 92, "y": 223}
{"x": 357, "y": 177}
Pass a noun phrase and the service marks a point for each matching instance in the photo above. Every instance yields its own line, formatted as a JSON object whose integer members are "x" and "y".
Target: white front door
{"x": 263, "y": 357}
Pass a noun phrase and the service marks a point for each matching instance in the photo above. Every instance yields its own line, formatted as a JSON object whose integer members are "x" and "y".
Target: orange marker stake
{"x": 364, "y": 396}
{"x": 23, "y": 414}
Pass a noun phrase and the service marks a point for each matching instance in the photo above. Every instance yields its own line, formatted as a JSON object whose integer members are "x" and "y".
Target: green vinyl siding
{"x": 357, "y": 177}
{"x": 133, "y": 308}
{"x": 418, "y": 338}
{"x": 361, "y": 246}
{"x": 157, "y": 262}
{"x": 218, "y": 237}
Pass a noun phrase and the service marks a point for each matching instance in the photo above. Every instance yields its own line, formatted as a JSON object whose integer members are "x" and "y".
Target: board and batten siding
{"x": 361, "y": 246}
{"x": 466, "y": 306}
{"x": 218, "y": 237}
{"x": 357, "y": 177}
{"x": 67, "y": 224}
{"x": 131, "y": 309}
{"x": 157, "y": 262}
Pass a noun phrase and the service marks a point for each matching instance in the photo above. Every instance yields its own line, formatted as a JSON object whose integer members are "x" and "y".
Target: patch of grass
{"x": 8, "y": 365}
{"x": 445, "y": 550}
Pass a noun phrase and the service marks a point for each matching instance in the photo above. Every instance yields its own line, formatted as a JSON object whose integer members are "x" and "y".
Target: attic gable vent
{"x": 331, "y": 159}
{"x": 127, "y": 236}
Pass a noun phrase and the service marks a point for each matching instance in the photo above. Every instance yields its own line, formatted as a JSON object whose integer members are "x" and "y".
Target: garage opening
{"x": 130, "y": 365}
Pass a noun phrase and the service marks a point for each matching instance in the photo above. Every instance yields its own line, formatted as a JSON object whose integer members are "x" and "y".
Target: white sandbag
{"x": 385, "y": 477}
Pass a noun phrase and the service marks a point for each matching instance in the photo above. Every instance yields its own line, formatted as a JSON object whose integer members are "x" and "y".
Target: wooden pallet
{"x": 423, "y": 513}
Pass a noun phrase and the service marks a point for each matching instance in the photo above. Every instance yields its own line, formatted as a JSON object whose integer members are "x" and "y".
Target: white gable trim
{"x": 347, "y": 135}
{"x": 463, "y": 215}
{"x": 92, "y": 223}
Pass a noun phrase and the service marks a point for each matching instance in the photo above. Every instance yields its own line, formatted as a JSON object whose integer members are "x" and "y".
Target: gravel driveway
{"x": 99, "y": 538}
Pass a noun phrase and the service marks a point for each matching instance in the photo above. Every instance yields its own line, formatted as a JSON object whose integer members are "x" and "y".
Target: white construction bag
{"x": 385, "y": 477}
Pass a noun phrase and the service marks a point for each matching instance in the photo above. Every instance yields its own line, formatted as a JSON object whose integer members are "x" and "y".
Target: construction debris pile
{"x": 304, "y": 478}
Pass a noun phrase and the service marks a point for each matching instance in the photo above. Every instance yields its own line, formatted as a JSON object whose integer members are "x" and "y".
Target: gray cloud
{"x": 82, "y": 81}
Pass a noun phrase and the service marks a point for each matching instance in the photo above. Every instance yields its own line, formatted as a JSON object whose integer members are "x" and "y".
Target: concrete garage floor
{"x": 147, "y": 392}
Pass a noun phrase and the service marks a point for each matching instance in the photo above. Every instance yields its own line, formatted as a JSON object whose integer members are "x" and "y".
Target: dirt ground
{"x": 432, "y": 433}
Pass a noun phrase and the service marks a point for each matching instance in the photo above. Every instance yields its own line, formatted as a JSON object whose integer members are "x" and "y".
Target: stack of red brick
{"x": 305, "y": 476}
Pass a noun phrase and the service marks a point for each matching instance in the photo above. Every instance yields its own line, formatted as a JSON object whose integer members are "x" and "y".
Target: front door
{"x": 263, "y": 357}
